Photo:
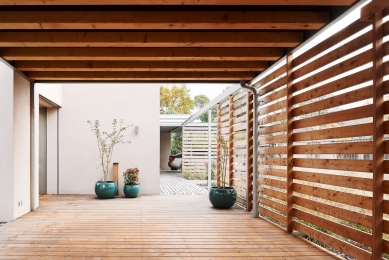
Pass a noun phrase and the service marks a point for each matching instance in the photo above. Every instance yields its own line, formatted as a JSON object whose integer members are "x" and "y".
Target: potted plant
{"x": 223, "y": 197}
{"x": 105, "y": 189}
{"x": 131, "y": 182}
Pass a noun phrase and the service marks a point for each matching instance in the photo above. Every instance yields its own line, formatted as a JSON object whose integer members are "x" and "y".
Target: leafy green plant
{"x": 202, "y": 175}
{"x": 107, "y": 141}
{"x": 176, "y": 143}
{"x": 131, "y": 176}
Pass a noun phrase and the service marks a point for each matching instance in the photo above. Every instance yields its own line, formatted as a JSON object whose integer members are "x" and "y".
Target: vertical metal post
{"x": 249, "y": 151}
{"x": 231, "y": 154}
{"x": 218, "y": 157}
{"x": 209, "y": 149}
{"x": 58, "y": 150}
{"x": 255, "y": 147}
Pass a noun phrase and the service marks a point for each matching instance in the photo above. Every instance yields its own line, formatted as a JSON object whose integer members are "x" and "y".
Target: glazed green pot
{"x": 106, "y": 190}
{"x": 222, "y": 198}
{"x": 131, "y": 191}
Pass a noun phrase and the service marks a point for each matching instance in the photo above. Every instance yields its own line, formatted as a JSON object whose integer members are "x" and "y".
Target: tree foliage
{"x": 176, "y": 98}
{"x": 200, "y": 102}
{"x": 176, "y": 146}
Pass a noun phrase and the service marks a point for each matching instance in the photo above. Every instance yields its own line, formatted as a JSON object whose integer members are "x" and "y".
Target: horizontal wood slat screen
{"x": 320, "y": 139}
{"x": 235, "y": 122}
{"x": 195, "y": 148}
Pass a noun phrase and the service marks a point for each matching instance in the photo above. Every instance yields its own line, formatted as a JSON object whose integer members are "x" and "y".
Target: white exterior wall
{"x": 14, "y": 144}
{"x": 52, "y": 150}
{"x": 21, "y": 132}
{"x": 165, "y": 144}
{"x": 52, "y": 92}
{"x": 6, "y": 144}
{"x": 137, "y": 104}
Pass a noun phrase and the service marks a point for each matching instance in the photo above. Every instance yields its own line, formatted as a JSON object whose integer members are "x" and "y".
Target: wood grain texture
{"x": 150, "y": 54}
{"x": 150, "y": 39}
{"x": 142, "y": 75}
{"x": 149, "y": 227}
{"x": 141, "y": 65}
{"x": 157, "y": 20}
{"x": 177, "y": 2}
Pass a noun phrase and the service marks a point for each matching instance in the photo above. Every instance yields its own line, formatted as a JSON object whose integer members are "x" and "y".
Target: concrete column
{"x": 6, "y": 144}
{"x": 14, "y": 143}
{"x": 35, "y": 153}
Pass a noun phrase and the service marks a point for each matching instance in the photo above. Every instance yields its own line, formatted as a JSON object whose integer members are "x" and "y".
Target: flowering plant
{"x": 106, "y": 142}
{"x": 131, "y": 176}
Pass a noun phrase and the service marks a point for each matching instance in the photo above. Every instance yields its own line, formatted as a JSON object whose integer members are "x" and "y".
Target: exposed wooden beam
{"x": 163, "y": 20}
{"x": 139, "y": 76}
{"x": 179, "y": 2}
{"x": 206, "y": 54}
{"x": 141, "y": 65}
{"x": 150, "y": 39}
{"x": 375, "y": 6}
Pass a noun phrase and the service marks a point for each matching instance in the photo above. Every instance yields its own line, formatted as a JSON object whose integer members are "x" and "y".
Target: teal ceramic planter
{"x": 222, "y": 198}
{"x": 106, "y": 190}
{"x": 131, "y": 191}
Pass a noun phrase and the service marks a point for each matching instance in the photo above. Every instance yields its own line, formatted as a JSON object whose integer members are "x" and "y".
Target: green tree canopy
{"x": 201, "y": 100}
{"x": 176, "y": 98}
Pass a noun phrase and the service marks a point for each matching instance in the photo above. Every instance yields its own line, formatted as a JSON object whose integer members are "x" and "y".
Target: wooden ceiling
{"x": 155, "y": 40}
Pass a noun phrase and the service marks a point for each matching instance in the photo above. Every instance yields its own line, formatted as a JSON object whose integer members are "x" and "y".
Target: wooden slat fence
{"x": 195, "y": 148}
{"x": 323, "y": 137}
{"x": 235, "y": 125}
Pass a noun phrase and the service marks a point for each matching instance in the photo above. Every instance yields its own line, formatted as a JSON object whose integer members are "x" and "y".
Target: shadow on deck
{"x": 149, "y": 227}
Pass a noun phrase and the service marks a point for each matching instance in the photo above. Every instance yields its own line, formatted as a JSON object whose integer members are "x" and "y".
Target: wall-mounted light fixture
{"x": 136, "y": 129}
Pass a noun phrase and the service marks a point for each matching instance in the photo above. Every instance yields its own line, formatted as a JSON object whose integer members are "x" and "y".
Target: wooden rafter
{"x": 152, "y": 54}
{"x": 162, "y": 20}
{"x": 179, "y": 2}
{"x": 139, "y": 76}
{"x": 141, "y": 65}
{"x": 150, "y": 39}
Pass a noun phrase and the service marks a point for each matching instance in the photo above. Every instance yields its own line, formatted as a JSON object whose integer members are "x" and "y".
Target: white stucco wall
{"x": 52, "y": 92}
{"x": 165, "y": 150}
{"x": 15, "y": 152}
{"x": 6, "y": 144}
{"x": 137, "y": 104}
{"x": 21, "y": 132}
{"x": 52, "y": 150}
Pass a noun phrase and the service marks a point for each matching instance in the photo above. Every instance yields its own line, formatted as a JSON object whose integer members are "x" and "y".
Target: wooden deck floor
{"x": 149, "y": 227}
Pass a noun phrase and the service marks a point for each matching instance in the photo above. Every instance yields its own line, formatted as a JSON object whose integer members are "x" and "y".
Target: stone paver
{"x": 172, "y": 183}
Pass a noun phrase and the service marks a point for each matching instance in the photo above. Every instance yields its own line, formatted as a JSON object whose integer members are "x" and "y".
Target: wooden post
{"x": 289, "y": 133}
{"x": 378, "y": 136}
{"x": 231, "y": 144}
{"x": 115, "y": 171}
{"x": 218, "y": 158}
{"x": 249, "y": 147}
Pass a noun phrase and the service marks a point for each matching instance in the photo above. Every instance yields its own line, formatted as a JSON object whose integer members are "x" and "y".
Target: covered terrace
{"x": 308, "y": 138}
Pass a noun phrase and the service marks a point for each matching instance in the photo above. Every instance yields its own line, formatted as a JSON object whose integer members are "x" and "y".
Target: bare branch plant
{"x": 106, "y": 142}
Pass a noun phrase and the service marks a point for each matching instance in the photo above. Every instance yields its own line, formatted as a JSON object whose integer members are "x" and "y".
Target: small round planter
{"x": 131, "y": 191}
{"x": 106, "y": 190}
{"x": 222, "y": 198}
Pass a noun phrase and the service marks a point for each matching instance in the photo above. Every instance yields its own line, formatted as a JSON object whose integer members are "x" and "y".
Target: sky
{"x": 211, "y": 90}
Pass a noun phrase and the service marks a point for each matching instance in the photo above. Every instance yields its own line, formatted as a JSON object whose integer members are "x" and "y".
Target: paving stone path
{"x": 172, "y": 183}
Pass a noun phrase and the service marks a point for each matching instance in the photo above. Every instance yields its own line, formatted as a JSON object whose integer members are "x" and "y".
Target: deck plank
{"x": 149, "y": 227}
